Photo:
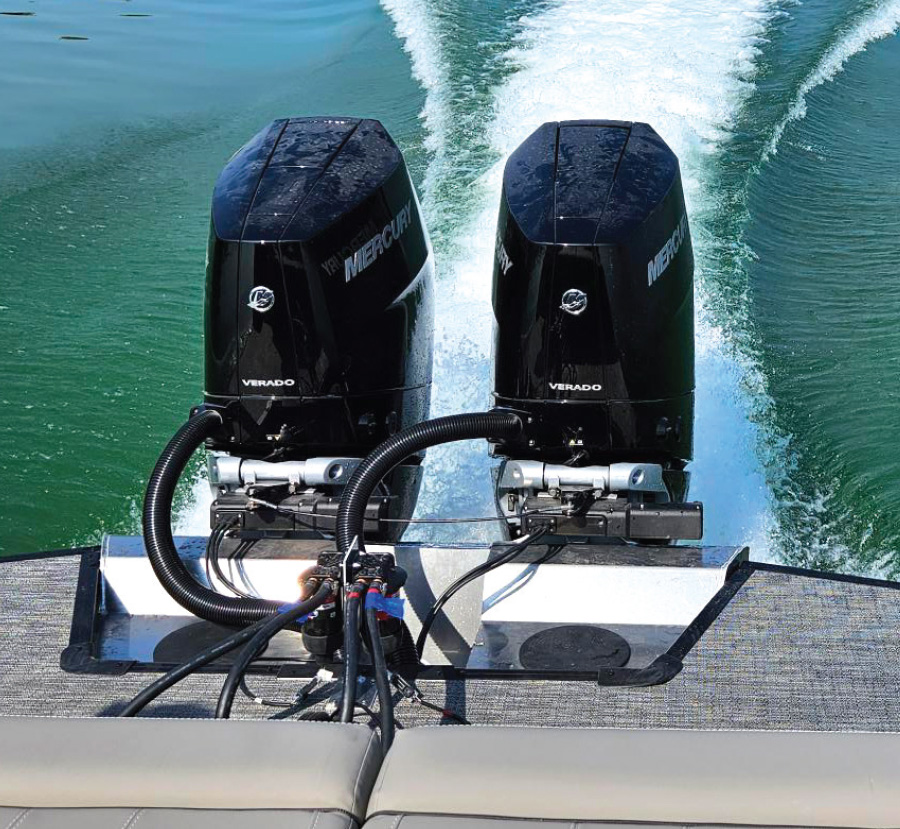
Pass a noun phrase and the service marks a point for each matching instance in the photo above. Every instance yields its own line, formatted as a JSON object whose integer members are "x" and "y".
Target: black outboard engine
{"x": 319, "y": 324}
{"x": 594, "y": 341}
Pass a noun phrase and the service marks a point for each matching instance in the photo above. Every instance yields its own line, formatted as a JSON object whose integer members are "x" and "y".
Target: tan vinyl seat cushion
{"x": 148, "y": 773}
{"x": 498, "y": 777}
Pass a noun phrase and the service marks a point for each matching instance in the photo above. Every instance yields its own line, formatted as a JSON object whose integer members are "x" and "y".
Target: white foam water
{"x": 194, "y": 518}
{"x": 683, "y": 67}
{"x": 420, "y": 35}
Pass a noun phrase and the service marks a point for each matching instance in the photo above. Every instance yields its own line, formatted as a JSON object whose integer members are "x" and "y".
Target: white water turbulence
{"x": 420, "y": 35}
{"x": 881, "y": 22}
{"x": 683, "y": 67}
{"x": 194, "y": 518}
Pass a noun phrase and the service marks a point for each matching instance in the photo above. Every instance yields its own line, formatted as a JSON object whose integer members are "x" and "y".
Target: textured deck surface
{"x": 789, "y": 652}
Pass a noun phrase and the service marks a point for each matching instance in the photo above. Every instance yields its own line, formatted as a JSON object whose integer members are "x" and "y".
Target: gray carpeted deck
{"x": 789, "y": 652}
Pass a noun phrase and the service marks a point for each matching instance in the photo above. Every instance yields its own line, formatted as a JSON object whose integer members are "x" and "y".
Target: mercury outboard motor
{"x": 594, "y": 340}
{"x": 319, "y": 318}
{"x": 319, "y": 329}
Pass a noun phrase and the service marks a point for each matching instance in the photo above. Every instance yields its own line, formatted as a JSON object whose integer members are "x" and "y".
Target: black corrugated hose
{"x": 494, "y": 425}
{"x": 169, "y": 569}
{"x": 382, "y": 682}
{"x": 259, "y": 641}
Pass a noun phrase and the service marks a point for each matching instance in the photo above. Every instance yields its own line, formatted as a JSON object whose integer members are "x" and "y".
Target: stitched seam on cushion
{"x": 133, "y": 818}
{"x": 481, "y": 726}
{"x": 616, "y": 823}
{"x": 355, "y": 806}
{"x": 315, "y": 819}
{"x": 397, "y": 821}
{"x": 17, "y": 820}
{"x": 376, "y": 794}
{"x": 352, "y": 820}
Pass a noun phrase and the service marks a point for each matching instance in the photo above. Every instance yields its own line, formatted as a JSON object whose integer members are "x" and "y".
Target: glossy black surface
{"x": 322, "y": 212}
{"x": 595, "y": 207}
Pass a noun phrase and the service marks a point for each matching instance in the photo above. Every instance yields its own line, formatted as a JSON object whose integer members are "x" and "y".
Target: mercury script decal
{"x": 503, "y": 259}
{"x": 658, "y": 264}
{"x": 378, "y": 244}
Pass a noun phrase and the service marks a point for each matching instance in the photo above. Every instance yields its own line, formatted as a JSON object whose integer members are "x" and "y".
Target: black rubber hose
{"x": 258, "y": 643}
{"x": 169, "y": 569}
{"x": 167, "y": 680}
{"x": 210, "y": 544}
{"x": 382, "y": 682}
{"x": 494, "y": 425}
{"x": 213, "y": 549}
{"x": 466, "y": 578}
{"x": 255, "y": 698}
{"x": 351, "y": 651}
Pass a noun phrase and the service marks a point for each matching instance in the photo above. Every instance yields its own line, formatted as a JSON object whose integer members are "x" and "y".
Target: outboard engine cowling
{"x": 319, "y": 313}
{"x": 593, "y": 301}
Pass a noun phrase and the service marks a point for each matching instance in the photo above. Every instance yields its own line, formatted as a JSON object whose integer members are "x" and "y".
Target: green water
{"x": 826, "y": 307}
{"x": 103, "y": 223}
{"x": 786, "y": 121}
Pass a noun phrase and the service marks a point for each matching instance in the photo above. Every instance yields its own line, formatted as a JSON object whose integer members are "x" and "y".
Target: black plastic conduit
{"x": 494, "y": 425}
{"x": 169, "y": 569}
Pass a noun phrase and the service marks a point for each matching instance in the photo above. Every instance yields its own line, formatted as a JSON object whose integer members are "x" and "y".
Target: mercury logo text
{"x": 378, "y": 244}
{"x": 658, "y": 264}
{"x": 503, "y": 259}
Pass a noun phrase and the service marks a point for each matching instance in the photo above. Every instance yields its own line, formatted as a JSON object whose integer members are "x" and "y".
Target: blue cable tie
{"x": 392, "y": 605}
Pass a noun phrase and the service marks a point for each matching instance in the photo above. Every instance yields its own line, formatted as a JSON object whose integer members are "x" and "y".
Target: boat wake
{"x": 685, "y": 69}
{"x": 879, "y": 23}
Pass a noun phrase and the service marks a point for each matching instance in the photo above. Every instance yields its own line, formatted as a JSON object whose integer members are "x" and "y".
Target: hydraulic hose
{"x": 259, "y": 641}
{"x": 476, "y": 572}
{"x": 351, "y": 651}
{"x": 157, "y": 521}
{"x": 214, "y": 565}
{"x": 382, "y": 682}
{"x": 199, "y": 660}
{"x": 494, "y": 425}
